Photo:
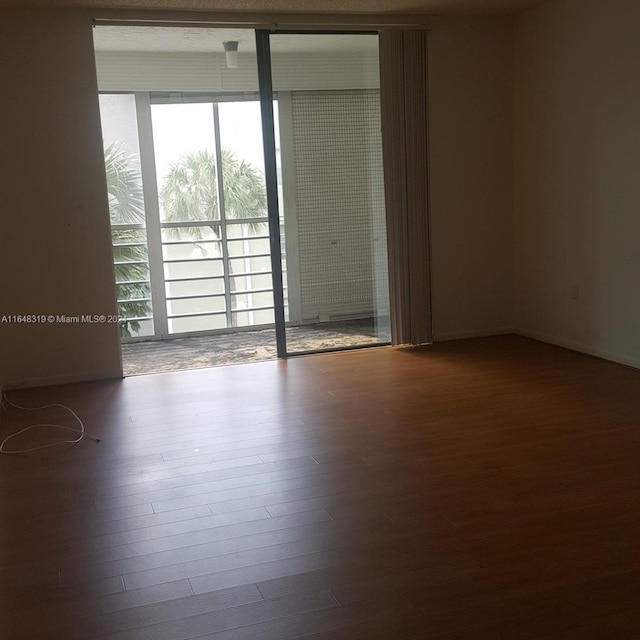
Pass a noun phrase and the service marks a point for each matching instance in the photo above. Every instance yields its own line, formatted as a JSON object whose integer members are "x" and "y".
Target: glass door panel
{"x": 215, "y": 235}
{"x": 184, "y": 144}
{"x": 184, "y": 151}
{"x": 245, "y": 206}
{"x": 332, "y": 190}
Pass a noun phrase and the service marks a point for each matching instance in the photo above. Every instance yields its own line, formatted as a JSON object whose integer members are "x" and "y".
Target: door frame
{"x": 265, "y": 84}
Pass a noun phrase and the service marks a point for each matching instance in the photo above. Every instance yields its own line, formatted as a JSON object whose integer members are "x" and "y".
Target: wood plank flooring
{"x": 475, "y": 489}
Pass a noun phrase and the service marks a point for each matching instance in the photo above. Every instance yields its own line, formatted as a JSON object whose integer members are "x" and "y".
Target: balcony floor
{"x": 198, "y": 352}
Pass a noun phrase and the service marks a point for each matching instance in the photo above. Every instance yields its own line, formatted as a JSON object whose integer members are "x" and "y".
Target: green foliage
{"x": 126, "y": 206}
{"x": 124, "y": 185}
{"x": 189, "y": 192}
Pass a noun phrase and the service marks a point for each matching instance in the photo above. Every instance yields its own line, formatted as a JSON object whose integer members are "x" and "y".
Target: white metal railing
{"x": 129, "y": 287}
{"x": 217, "y": 265}
{"x": 229, "y": 282}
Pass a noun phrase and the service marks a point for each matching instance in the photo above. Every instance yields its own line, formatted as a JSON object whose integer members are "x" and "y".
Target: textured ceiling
{"x": 297, "y": 6}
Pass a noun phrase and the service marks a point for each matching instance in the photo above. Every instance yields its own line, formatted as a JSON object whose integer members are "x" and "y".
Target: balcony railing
{"x": 212, "y": 276}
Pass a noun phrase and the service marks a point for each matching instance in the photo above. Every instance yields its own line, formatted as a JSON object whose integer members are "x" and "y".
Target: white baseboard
{"x": 49, "y": 381}
{"x": 473, "y": 333}
{"x": 582, "y": 348}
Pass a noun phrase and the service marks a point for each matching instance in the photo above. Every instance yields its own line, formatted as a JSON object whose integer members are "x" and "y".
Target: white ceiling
{"x": 297, "y": 6}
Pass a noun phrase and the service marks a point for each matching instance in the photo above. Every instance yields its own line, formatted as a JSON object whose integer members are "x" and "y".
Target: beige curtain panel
{"x": 404, "y": 106}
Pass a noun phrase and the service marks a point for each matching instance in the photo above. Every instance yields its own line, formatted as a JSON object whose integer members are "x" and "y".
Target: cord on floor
{"x": 82, "y": 433}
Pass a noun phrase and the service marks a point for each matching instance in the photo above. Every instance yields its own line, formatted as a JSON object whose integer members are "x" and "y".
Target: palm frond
{"x": 189, "y": 192}
{"x": 124, "y": 186}
{"x": 126, "y": 206}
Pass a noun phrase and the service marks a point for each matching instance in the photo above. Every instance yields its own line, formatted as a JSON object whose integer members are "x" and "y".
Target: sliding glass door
{"x": 213, "y": 213}
{"x": 197, "y": 258}
{"x": 330, "y": 188}
{"x": 251, "y": 202}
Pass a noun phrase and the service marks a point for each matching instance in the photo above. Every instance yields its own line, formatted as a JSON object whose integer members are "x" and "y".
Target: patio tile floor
{"x": 198, "y": 352}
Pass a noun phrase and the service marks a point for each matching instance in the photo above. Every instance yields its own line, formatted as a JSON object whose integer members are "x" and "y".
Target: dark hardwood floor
{"x": 479, "y": 489}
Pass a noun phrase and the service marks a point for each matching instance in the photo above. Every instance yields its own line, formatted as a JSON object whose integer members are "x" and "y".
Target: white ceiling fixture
{"x": 231, "y": 53}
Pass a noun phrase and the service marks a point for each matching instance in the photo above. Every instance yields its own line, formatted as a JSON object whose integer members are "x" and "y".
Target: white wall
{"x": 470, "y": 129}
{"x": 174, "y": 71}
{"x": 55, "y": 253}
{"x": 577, "y": 176}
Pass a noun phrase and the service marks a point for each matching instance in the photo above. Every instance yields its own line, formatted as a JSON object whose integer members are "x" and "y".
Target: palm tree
{"x": 189, "y": 194}
{"x": 124, "y": 186}
{"x": 126, "y": 206}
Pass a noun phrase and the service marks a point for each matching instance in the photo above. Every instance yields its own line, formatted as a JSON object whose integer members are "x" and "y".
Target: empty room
{"x": 428, "y": 210}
